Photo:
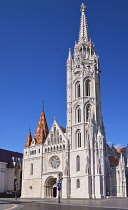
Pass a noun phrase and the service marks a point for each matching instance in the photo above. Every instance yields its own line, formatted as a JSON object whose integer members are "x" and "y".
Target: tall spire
{"x": 83, "y": 33}
{"x": 29, "y": 139}
{"x": 42, "y": 129}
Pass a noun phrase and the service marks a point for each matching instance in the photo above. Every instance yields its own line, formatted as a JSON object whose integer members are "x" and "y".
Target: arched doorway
{"x": 50, "y": 188}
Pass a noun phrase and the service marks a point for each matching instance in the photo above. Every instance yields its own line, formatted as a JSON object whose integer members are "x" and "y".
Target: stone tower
{"x": 85, "y": 130}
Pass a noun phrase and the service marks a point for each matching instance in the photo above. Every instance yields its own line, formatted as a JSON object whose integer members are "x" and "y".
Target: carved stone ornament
{"x": 77, "y": 71}
{"x": 88, "y": 70}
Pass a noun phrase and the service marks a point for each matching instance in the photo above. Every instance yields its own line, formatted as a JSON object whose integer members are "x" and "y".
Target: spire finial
{"x": 43, "y": 105}
{"x": 82, "y": 9}
{"x": 83, "y": 34}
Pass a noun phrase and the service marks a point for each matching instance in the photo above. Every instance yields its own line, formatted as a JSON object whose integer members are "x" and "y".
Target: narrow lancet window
{"x": 77, "y": 163}
{"x": 78, "y": 139}
{"x": 88, "y": 89}
{"x": 31, "y": 170}
{"x": 78, "y": 115}
{"x": 88, "y": 111}
{"x": 51, "y": 138}
{"x": 57, "y": 137}
{"x": 77, "y": 90}
{"x": 78, "y": 183}
{"x": 54, "y": 134}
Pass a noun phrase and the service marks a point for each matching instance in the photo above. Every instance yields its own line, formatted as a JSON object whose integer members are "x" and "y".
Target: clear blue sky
{"x": 34, "y": 39}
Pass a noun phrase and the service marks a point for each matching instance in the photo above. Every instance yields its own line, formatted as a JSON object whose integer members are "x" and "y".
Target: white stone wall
{"x": 31, "y": 184}
{"x": 9, "y": 179}
{"x": 2, "y": 176}
{"x": 83, "y": 191}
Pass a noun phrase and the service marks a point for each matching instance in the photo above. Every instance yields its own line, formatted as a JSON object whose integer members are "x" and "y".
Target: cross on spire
{"x": 82, "y": 9}
{"x": 43, "y": 105}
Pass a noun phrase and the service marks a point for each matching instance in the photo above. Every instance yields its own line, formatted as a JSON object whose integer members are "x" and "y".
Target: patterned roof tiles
{"x": 41, "y": 130}
{"x": 114, "y": 161}
{"x": 28, "y": 140}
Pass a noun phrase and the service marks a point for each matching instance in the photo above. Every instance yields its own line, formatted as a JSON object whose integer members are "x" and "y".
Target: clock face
{"x": 55, "y": 162}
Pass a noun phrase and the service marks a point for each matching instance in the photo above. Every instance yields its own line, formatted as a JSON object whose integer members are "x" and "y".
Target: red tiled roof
{"x": 114, "y": 161}
{"x": 28, "y": 140}
{"x": 41, "y": 130}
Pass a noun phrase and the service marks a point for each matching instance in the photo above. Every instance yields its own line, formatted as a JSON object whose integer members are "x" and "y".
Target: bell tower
{"x": 85, "y": 130}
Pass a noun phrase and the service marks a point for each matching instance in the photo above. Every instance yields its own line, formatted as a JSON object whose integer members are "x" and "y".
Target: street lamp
{"x": 16, "y": 162}
{"x": 59, "y": 185}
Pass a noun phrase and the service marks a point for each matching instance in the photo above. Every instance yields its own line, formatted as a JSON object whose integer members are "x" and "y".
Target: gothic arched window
{"x": 78, "y": 139}
{"x": 88, "y": 88}
{"x": 60, "y": 139}
{"x": 51, "y": 138}
{"x": 77, "y": 163}
{"x": 78, "y": 183}
{"x": 77, "y": 90}
{"x": 88, "y": 111}
{"x": 78, "y": 114}
{"x": 84, "y": 50}
{"x": 48, "y": 142}
{"x": 57, "y": 136}
{"x": 54, "y": 134}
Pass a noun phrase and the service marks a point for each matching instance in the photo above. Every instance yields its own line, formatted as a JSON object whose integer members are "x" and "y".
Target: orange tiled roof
{"x": 114, "y": 161}
{"x": 41, "y": 130}
{"x": 29, "y": 139}
{"x": 119, "y": 149}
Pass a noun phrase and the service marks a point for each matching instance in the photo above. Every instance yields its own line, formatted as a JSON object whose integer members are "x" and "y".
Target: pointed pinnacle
{"x": 69, "y": 54}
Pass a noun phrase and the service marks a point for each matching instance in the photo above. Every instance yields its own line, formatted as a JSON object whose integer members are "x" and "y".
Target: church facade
{"x": 78, "y": 157}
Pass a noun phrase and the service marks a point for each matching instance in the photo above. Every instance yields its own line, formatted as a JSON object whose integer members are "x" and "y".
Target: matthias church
{"x": 78, "y": 155}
